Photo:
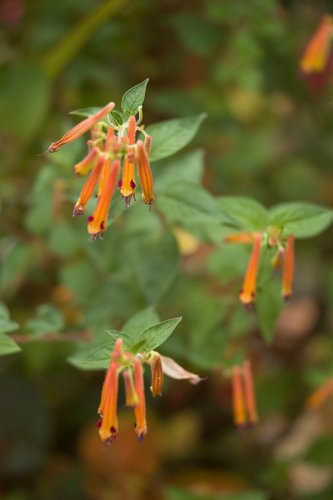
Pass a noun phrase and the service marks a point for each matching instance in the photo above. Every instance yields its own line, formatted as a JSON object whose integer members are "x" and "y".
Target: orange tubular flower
{"x": 98, "y": 221}
{"x": 156, "y": 375}
{"x": 87, "y": 164}
{"x": 244, "y": 400}
{"x": 148, "y": 140}
{"x": 146, "y": 177}
{"x": 127, "y": 183}
{"x": 108, "y": 425}
{"x": 81, "y": 128}
{"x": 140, "y": 409}
{"x": 238, "y": 397}
{"x": 249, "y": 393}
{"x": 321, "y": 395}
{"x": 130, "y": 393}
{"x": 247, "y": 294}
{"x": 316, "y": 64}
{"x": 88, "y": 188}
{"x": 288, "y": 268}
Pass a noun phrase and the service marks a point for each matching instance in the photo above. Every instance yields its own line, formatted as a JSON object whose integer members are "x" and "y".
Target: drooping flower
{"x": 88, "y": 187}
{"x": 98, "y": 221}
{"x": 127, "y": 183}
{"x": 131, "y": 367}
{"x": 145, "y": 174}
{"x": 156, "y": 374}
{"x": 140, "y": 408}
{"x": 248, "y": 292}
{"x": 272, "y": 238}
{"x": 108, "y": 424}
{"x": 288, "y": 268}
{"x": 316, "y": 64}
{"x": 320, "y": 395}
{"x": 243, "y": 395}
{"x": 81, "y": 128}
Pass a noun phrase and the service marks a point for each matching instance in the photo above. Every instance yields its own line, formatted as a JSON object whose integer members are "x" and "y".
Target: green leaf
{"x": 320, "y": 452}
{"x": 172, "y": 135}
{"x": 302, "y": 220}
{"x": 99, "y": 357}
{"x": 22, "y": 111}
{"x": 156, "y": 335}
{"x": 115, "y": 115}
{"x": 48, "y": 319}
{"x": 246, "y": 213}
{"x": 6, "y": 325}
{"x": 140, "y": 321}
{"x": 134, "y": 98}
{"x": 7, "y": 345}
{"x": 184, "y": 202}
{"x": 154, "y": 258}
{"x": 269, "y": 303}
{"x": 86, "y": 112}
{"x": 186, "y": 168}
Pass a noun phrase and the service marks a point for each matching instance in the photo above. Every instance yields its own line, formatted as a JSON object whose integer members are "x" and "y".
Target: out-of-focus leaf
{"x": 269, "y": 300}
{"x": 65, "y": 240}
{"x": 247, "y": 214}
{"x": 18, "y": 263}
{"x": 182, "y": 202}
{"x": 24, "y": 99}
{"x": 7, "y": 345}
{"x": 302, "y": 220}
{"x": 57, "y": 58}
{"x": 186, "y": 168}
{"x": 154, "y": 258}
{"x": 196, "y": 33}
{"x": 320, "y": 452}
{"x": 6, "y": 325}
{"x": 48, "y": 319}
{"x": 85, "y": 112}
{"x": 172, "y": 135}
{"x": 134, "y": 98}
{"x": 247, "y": 495}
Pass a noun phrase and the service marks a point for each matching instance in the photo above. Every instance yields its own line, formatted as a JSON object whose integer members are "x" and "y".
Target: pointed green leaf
{"x": 155, "y": 335}
{"x": 171, "y": 136}
{"x": 140, "y": 321}
{"x": 185, "y": 202}
{"x": 99, "y": 357}
{"x": 134, "y": 98}
{"x": 7, "y": 345}
{"x": 246, "y": 213}
{"x": 302, "y": 220}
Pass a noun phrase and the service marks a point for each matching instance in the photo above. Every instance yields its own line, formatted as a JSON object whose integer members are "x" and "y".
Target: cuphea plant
{"x": 120, "y": 149}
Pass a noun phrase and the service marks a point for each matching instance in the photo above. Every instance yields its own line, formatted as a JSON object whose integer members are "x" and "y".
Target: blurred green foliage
{"x": 265, "y": 138}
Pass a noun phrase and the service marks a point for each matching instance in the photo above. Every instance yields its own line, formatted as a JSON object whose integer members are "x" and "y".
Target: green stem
{"x": 59, "y": 56}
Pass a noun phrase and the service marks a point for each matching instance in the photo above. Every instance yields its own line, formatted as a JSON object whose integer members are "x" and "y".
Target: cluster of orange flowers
{"x": 110, "y": 148}
{"x": 285, "y": 255}
{"x": 130, "y": 366}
